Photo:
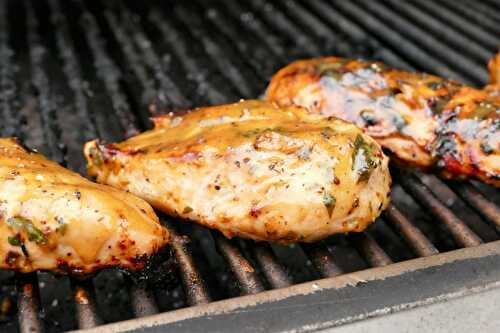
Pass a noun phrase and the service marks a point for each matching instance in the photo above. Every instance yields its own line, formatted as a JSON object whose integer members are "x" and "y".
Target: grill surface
{"x": 71, "y": 71}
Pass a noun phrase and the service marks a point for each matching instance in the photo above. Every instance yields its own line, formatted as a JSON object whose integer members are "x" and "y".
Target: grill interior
{"x": 71, "y": 71}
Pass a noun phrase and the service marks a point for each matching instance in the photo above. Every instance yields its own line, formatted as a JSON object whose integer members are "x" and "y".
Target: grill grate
{"x": 74, "y": 70}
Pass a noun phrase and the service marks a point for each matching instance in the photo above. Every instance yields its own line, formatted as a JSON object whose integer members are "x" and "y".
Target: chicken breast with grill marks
{"x": 53, "y": 219}
{"x": 251, "y": 169}
{"x": 421, "y": 119}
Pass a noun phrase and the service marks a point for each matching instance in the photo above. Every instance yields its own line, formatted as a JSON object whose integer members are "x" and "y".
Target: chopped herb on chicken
{"x": 363, "y": 160}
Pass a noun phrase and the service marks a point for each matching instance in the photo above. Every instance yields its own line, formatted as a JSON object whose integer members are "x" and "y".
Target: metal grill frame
{"x": 318, "y": 304}
{"x": 339, "y": 300}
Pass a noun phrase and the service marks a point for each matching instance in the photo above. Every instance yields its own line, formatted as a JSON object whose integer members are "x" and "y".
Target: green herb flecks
{"x": 363, "y": 159}
{"x": 14, "y": 241}
{"x": 187, "y": 210}
{"x": 329, "y": 201}
{"x": 19, "y": 223}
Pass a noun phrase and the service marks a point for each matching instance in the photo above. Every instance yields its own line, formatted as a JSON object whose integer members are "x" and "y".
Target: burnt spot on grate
{"x": 75, "y": 70}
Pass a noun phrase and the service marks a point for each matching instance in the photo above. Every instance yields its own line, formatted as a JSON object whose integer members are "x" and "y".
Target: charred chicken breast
{"x": 53, "y": 219}
{"x": 421, "y": 119}
{"x": 250, "y": 169}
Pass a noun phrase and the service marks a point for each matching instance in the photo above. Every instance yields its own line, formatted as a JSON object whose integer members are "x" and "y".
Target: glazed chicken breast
{"x": 55, "y": 220}
{"x": 253, "y": 170}
{"x": 421, "y": 119}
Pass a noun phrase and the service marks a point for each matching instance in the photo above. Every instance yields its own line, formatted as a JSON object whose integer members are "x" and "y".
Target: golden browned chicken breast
{"x": 423, "y": 120}
{"x": 253, "y": 170}
{"x": 53, "y": 219}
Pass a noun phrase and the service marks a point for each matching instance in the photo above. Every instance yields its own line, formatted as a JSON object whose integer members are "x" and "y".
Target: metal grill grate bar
{"x": 483, "y": 206}
{"x": 194, "y": 286}
{"x": 460, "y": 231}
{"x": 395, "y": 38}
{"x": 86, "y": 311}
{"x": 460, "y": 22}
{"x": 143, "y": 301}
{"x": 224, "y": 62}
{"x": 274, "y": 272}
{"x": 473, "y": 70}
{"x": 8, "y": 100}
{"x": 420, "y": 244}
{"x": 167, "y": 91}
{"x": 280, "y": 22}
{"x": 180, "y": 49}
{"x": 322, "y": 259}
{"x": 28, "y": 304}
{"x": 447, "y": 34}
{"x": 370, "y": 250}
{"x": 248, "y": 280}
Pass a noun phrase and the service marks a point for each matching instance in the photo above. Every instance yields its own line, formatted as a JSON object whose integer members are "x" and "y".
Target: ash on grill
{"x": 73, "y": 70}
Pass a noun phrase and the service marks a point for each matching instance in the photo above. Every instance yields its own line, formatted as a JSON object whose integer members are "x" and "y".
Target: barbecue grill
{"x": 71, "y": 71}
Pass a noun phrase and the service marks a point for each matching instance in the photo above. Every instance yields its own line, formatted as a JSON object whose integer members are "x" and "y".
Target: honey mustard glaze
{"x": 421, "y": 119}
{"x": 254, "y": 170}
{"x": 54, "y": 219}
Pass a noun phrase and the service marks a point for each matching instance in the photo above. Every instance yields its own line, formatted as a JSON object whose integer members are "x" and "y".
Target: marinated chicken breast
{"x": 421, "y": 119}
{"x": 53, "y": 219}
{"x": 252, "y": 170}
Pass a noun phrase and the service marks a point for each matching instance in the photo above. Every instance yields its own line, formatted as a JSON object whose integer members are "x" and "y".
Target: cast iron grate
{"x": 74, "y": 70}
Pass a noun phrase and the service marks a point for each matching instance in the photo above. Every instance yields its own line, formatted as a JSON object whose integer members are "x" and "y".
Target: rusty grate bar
{"x": 28, "y": 304}
{"x": 248, "y": 280}
{"x": 274, "y": 272}
{"x": 86, "y": 310}
{"x": 476, "y": 200}
{"x": 370, "y": 250}
{"x": 322, "y": 259}
{"x": 420, "y": 244}
{"x": 143, "y": 301}
{"x": 194, "y": 286}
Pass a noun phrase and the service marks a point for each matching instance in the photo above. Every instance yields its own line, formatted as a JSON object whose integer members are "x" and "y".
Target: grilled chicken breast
{"x": 253, "y": 170}
{"x": 421, "y": 119}
{"x": 53, "y": 219}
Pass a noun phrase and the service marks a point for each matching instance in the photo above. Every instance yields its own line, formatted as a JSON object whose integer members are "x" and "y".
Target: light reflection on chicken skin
{"x": 55, "y": 220}
{"x": 250, "y": 169}
{"x": 423, "y": 120}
